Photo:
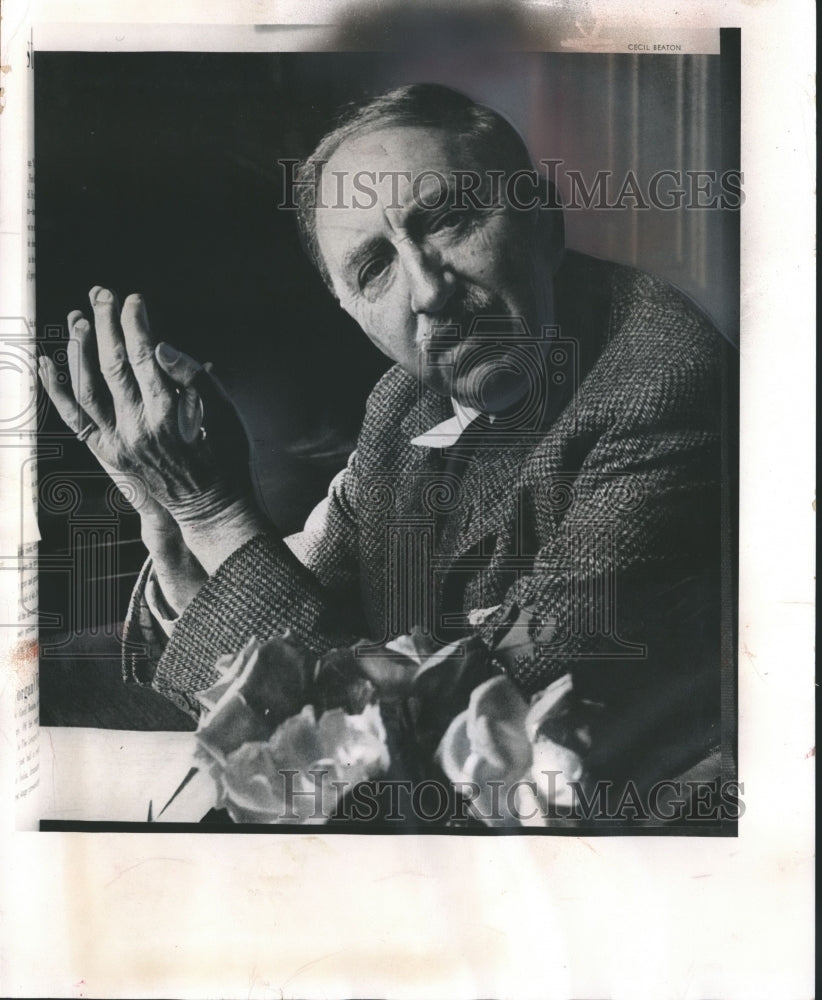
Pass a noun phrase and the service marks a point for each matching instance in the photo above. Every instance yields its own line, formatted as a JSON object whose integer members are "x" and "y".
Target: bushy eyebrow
{"x": 359, "y": 254}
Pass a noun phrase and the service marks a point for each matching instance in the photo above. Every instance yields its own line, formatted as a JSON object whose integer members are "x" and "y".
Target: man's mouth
{"x": 482, "y": 317}
{"x": 477, "y": 337}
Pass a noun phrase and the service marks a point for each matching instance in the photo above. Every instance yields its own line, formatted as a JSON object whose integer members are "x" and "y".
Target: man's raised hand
{"x": 149, "y": 411}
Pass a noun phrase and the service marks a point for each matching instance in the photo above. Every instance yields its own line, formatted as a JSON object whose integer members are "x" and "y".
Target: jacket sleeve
{"x": 307, "y": 583}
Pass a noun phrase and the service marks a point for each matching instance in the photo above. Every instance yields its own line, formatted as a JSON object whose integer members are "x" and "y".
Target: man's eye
{"x": 372, "y": 270}
{"x": 448, "y": 220}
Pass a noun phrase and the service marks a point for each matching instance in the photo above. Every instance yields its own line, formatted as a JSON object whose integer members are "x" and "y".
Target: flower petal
{"x": 553, "y": 768}
{"x": 496, "y": 726}
{"x": 356, "y": 743}
{"x": 454, "y": 748}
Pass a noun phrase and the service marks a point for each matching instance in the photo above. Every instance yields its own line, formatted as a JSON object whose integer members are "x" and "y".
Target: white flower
{"x": 486, "y": 746}
{"x": 300, "y": 773}
{"x": 498, "y": 750}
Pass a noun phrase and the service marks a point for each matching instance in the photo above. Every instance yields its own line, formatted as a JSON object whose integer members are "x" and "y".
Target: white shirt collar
{"x": 447, "y": 433}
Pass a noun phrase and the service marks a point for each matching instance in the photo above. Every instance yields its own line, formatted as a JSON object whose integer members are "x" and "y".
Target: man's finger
{"x": 140, "y": 350}
{"x": 190, "y": 415}
{"x": 87, "y": 382}
{"x": 66, "y": 405}
{"x": 180, "y": 368}
{"x": 185, "y": 372}
{"x": 111, "y": 348}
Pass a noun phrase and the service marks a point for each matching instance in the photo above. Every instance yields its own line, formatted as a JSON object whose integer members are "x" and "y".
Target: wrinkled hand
{"x": 146, "y": 403}
{"x": 158, "y": 415}
{"x": 179, "y": 574}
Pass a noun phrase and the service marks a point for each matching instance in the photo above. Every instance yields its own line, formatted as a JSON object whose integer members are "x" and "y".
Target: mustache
{"x": 456, "y": 322}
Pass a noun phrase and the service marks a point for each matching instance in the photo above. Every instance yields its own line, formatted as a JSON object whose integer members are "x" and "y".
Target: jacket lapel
{"x": 491, "y": 491}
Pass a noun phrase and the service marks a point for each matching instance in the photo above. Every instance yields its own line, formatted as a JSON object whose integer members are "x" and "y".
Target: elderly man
{"x": 544, "y": 454}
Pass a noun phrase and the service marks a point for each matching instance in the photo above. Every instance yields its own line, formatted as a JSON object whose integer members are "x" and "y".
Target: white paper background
{"x": 91, "y": 915}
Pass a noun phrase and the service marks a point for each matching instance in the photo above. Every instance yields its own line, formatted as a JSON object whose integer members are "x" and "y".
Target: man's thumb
{"x": 180, "y": 368}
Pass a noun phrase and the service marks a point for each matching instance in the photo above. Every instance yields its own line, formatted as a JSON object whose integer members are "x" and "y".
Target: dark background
{"x": 158, "y": 172}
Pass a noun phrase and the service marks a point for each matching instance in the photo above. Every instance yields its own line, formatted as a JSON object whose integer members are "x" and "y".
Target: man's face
{"x": 414, "y": 277}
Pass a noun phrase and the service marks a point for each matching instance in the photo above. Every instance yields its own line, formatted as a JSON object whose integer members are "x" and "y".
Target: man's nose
{"x": 430, "y": 281}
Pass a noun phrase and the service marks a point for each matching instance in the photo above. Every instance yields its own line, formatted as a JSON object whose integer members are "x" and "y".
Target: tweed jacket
{"x": 597, "y": 512}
